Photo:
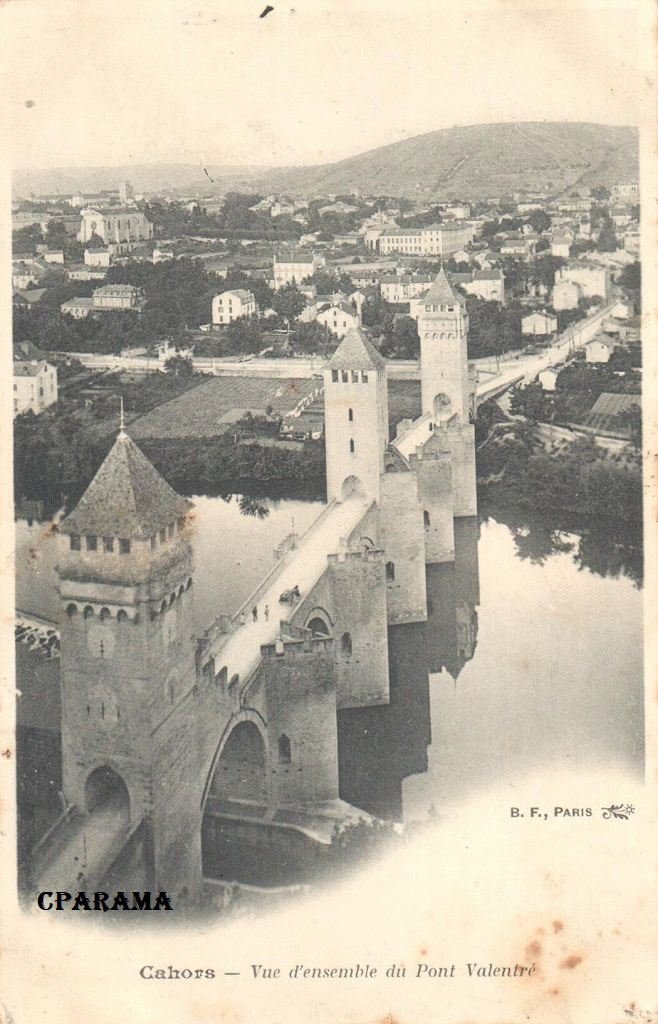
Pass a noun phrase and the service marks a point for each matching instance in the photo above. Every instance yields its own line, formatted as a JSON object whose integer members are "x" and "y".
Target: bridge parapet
{"x": 295, "y": 646}
{"x": 362, "y": 555}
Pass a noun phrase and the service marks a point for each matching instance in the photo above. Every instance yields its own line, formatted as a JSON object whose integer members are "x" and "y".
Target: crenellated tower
{"x": 356, "y": 417}
{"x": 448, "y": 389}
{"x": 443, "y": 331}
{"x": 127, "y": 657}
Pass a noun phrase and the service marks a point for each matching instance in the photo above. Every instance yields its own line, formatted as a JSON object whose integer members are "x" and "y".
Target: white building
{"x": 539, "y": 324}
{"x": 339, "y": 318}
{"x": 403, "y": 287}
{"x": 484, "y": 284}
{"x": 294, "y": 267}
{"x": 561, "y": 246}
{"x": 599, "y": 349}
{"x": 116, "y": 296}
{"x": 97, "y": 257}
{"x": 53, "y": 256}
{"x": 566, "y": 295}
{"x": 114, "y": 225}
{"x": 594, "y": 280}
{"x": 434, "y": 240}
{"x": 231, "y": 305}
{"x": 35, "y": 385}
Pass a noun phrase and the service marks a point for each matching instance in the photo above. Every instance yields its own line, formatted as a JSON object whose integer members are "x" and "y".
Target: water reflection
{"x": 526, "y": 661}
{"x": 602, "y": 548}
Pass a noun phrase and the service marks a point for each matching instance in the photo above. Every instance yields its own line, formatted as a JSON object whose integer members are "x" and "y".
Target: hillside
{"x": 144, "y": 178}
{"x": 475, "y": 162}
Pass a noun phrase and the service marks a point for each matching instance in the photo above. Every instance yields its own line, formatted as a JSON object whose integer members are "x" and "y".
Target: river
{"x": 531, "y": 656}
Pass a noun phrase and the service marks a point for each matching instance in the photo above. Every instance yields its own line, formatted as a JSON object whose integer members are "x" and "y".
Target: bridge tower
{"x": 356, "y": 417}
{"x": 443, "y": 330}
{"x": 128, "y": 661}
{"x": 448, "y": 387}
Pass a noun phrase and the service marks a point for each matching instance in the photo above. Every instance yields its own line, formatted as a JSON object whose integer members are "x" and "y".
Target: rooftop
{"x": 356, "y": 352}
{"x": 25, "y": 369}
{"x": 127, "y": 497}
{"x": 442, "y": 293}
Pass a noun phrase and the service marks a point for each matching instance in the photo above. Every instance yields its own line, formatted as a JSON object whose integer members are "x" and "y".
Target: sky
{"x": 109, "y": 82}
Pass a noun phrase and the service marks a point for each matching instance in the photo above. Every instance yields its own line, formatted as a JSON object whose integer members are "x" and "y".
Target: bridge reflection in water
{"x": 378, "y": 746}
{"x": 245, "y": 838}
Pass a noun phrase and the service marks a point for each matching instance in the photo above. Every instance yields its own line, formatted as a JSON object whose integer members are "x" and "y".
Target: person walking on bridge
{"x": 266, "y": 612}
{"x": 254, "y": 613}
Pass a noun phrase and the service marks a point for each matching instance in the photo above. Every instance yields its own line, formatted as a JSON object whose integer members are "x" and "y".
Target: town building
{"x": 82, "y": 273}
{"x": 126, "y": 193}
{"x": 53, "y": 256}
{"x": 231, "y": 305}
{"x": 600, "y": 348}
{"x": 114, "y": 225}
{"x": 435, "y": 240}
{"x": 27, "y": 272}
{"x": 484, "y": 284}
{"x": 403, "y": 287}
{"x": 626, "y": 191}
{"x": 79, "y": 307}
{"x": 35, "y": 385}
{"x": 294, "y": 267}
{"x": 594, "y": 280}
{"x": 108, "y": 298}
{"x": 565, "y": 295}
{"x": 339, "y": 318}
{"x": 97, "y": 257}
{"x": 561, "y": 246}
{"x": 539, "y": 324}
{"x": 28, "y": 297}
{"x": 116, "y": 296}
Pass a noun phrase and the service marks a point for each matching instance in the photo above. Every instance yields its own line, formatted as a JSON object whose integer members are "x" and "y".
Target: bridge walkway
{"x": 239, "y": 650}
{"x": 527, "y": 368}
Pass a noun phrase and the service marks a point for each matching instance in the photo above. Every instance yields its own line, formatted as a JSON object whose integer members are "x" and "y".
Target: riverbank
{"x": 580, "y": 478}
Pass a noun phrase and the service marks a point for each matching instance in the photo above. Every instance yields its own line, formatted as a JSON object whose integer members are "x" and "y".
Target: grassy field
{"x": 209, "y": 409}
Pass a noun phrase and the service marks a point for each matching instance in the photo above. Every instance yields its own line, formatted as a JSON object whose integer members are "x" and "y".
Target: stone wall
{"x": 403, "y": 538}
{"x": 300, "y": 688}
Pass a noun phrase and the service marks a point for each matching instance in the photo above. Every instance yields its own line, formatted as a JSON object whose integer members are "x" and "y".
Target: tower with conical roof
{"x": 443, "y": 331}
{"x": 128, "y": 659}
{"x": 356, "y": 417}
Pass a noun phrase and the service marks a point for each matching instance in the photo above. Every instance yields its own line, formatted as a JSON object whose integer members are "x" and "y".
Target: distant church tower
{"x": 128, "y": 659}
{"x": 443, "y": 331}
{"x": 356, "y": 417}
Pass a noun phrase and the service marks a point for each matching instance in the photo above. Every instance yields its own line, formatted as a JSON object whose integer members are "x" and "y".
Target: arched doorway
{"x": 240, "y": 773}
{"x": 106, "y": 790}
{"x": 319, "y": 623}
{"x": 442, "y": 406}
{"x": 352, "y": 485}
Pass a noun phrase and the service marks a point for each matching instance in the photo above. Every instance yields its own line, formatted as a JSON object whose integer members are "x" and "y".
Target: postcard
{"x": 330, "y": 555}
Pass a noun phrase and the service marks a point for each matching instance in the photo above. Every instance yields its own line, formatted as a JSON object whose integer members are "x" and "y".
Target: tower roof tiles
{"x": 442, "y": 293}
{"x": 127, "y": 497}
{"x": 356, "y": 352}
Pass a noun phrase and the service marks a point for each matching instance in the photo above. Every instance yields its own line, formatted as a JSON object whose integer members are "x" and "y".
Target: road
{"x": 525, "y": 368}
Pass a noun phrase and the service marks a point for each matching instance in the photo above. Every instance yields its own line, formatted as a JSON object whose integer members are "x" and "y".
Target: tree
{"x": 607, "y": 239}
{"x": 288, "y": 303}
{"x": 631, "y": 277}
{"x": 539, "y": 221}
{"x": 244, "y": 336}
{"x": 179, "y": 366}
{"x": 402, "y": 341}
{"x": 530, "y": 401}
